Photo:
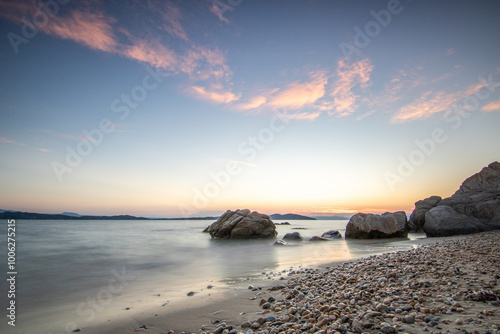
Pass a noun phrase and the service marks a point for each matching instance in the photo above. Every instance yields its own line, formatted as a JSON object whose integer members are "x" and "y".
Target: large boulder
{"x": 443, "y": 221}
{"x": 475, "y": 207}
{"x": 417, "y": 217}
{"x": 371, "y": 226}
{"x": 242, "y": 224}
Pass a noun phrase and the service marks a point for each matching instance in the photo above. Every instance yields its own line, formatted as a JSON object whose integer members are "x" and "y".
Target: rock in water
{"x": 475, "y": 207}
{"x": 316, "y": 238}
{"x": 332, "y": 234}
{"x": 293, "y": 236}
{"x": 417, "y": 218}
{"x": 371, "y": 226}
{"x": 242, "y": 224}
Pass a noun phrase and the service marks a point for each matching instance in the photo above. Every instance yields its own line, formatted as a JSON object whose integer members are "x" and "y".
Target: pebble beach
{"x": 451, "y": 286}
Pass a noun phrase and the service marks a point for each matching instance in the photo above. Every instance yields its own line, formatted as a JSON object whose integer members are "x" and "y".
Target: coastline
{"x": 436, "y": 301}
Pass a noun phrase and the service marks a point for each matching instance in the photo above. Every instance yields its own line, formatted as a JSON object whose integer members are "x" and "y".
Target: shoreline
{"x": 236, "y": 305}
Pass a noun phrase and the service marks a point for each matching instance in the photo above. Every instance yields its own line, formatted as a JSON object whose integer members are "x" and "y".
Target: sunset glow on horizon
{"x": 190, "y": 108}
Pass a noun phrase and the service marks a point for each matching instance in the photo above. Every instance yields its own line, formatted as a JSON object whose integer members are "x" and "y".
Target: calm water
{"x": 78, "y": 273}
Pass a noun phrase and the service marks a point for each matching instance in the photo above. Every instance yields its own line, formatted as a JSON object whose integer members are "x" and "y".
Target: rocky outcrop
{"x": 475, "y": 207}
{"x": 417, "y": 218}
{"x": 444, "y": 221}
{"x": 294, "y": 236}
{"x": 242, "y": 224}
{"x": 371, "y": 226}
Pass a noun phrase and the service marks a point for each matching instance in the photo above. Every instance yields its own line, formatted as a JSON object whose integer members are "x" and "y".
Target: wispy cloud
{"x": 350, "y": 75}
{"x": 43, "y": 150}
{"x": 302, "y": 116}
{"x": 299, "y": 94}
{"x": 216, "y": 94}
{"x": 65, "y": 135}
{"x": 430, "y": 103}
{"x": 10, "y": 141}
{"x": 216, "y": 10}
{"x": 155, "y": 54}
{"x": 492, "y": 106}
{"x": 254, "y": 103}
{"x": 171, "y": 20}
{"x": 96, "y": 30}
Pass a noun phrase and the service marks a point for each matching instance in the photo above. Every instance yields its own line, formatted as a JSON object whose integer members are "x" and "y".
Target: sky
{"x": 190, "y": 108}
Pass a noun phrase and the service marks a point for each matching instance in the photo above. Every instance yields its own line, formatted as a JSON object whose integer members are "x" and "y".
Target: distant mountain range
{"x": 290, "y": 216}
{"x": 335, "y": 217}
{"x": 8, "y": 214}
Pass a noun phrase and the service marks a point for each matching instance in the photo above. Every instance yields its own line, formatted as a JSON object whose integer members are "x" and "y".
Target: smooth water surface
{"x": 75, "y": 273}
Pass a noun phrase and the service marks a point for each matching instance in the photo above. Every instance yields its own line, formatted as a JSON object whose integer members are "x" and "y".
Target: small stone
{"x": 388, "y": 329}
{"x": 191, "y": 293}
{"x": 266, "y": 305}
{"x": 246, "y": 324}
{"x": 409, "y": 320}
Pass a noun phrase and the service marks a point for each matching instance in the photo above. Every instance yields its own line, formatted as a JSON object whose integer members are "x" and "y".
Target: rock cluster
{"x": 369, "y": 226}
{"x": 242, "y": 224}
{"x": 475, "y": 207}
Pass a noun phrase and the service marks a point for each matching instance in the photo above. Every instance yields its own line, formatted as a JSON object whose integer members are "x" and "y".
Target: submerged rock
{"x": 280, "y": 243}
{"x": 293, "y": 236}
{"x": 372, "y": 226}
{"x": 242, "y": 224}
{"x": 316, "y": 238}
{"x": 332, "y": 234}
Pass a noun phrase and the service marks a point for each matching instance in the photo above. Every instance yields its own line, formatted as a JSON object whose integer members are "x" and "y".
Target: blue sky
{"x": 171, "y": 108}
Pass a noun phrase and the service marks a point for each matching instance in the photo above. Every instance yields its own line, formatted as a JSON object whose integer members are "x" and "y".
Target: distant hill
{"x": 290, "y": 216}
{"x": 335, "y": 217}
{"x": 72, "y": 214}
{"x": 4, "y": 214}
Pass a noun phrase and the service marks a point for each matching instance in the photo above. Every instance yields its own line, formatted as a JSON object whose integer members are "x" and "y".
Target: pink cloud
{"x": 297, "y": 95}
{"x": 97, "y": 31}
{"x": 430, "y": 103}
{"x": 9, "y": 141}
{"x": 254, "y": 103}
{"x": 492, "y": 106}
{"x": 216, "y": 95}
{"x": 349, "y": 75}
{"x": 172, "y": 25}
{"x": 156, "y": 55}
{"x": 216, "y": 10}
{"x": 90, "y": 29}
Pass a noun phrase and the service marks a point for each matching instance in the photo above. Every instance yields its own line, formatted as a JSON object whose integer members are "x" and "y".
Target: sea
{"x": 80, "y": 273}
